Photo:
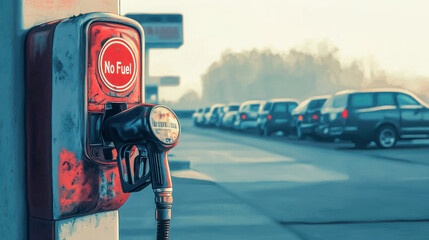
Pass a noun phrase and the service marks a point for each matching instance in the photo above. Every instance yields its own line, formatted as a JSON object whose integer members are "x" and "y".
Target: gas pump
{"x": 153, "y": 130}
{"x": 90, "y": 138}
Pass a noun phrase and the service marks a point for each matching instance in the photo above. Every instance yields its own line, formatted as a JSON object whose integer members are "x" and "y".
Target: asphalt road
{"x": 311, "y": 190}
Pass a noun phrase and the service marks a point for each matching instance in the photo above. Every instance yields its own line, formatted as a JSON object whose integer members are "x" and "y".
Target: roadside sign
{"x": 161, "y": 30}
{"x": 117, "y": 65}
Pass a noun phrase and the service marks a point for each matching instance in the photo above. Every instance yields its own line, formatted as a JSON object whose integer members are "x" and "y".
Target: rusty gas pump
{"x": 90, "y": 138}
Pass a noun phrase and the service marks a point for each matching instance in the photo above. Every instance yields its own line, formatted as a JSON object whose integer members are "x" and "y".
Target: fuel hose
{"x": 164, "y": 203}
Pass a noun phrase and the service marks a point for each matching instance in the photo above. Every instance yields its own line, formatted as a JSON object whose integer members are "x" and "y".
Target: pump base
{"x": 103, "y": 225}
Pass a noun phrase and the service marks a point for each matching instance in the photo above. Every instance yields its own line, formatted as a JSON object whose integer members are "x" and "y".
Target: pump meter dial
{"x": 164, "y": 124}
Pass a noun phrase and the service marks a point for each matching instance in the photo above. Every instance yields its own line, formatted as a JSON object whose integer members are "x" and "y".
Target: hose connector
{"x": 164, "y": 203}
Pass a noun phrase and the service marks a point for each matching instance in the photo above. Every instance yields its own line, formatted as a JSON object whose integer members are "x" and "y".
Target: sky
{"x": 391, "y": 33}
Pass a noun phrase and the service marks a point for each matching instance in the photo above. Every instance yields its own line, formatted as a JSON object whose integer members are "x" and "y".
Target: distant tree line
{"x": 264, "y": 74}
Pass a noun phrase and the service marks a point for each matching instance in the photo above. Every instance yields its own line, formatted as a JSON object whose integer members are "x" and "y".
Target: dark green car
{"x": 275, "y": 115}
{"x": 381, "y": 115}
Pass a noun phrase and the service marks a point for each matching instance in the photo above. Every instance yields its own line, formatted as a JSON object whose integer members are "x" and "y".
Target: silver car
{"x": 212, "y": 116}
{"x": 247, "y": 115}
{"x": 228, "y": 115}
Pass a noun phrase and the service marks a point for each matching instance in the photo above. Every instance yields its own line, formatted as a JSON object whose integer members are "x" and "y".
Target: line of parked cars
{"x": 361, "y": 116}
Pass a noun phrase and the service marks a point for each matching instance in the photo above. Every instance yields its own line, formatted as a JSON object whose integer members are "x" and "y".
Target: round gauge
{"x": 164, "y": 124}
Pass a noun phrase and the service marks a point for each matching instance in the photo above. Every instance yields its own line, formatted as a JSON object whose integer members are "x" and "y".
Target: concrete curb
{"x": 176, "y": 165}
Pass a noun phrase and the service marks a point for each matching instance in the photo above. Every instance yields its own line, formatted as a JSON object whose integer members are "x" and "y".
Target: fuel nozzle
{"x": 152, "y": 131}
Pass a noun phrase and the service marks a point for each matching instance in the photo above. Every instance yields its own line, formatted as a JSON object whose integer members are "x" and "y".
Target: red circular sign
{"x": 117, "y": 65}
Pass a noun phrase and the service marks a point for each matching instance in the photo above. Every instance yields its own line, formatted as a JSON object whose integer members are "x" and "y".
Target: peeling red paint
{"x": 85, "y": 187}
{"x": 74, "y": 184}
{"x": 114, "y": 196}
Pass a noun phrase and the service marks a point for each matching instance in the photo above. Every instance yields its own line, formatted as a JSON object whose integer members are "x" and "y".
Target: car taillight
{"x": 344, "y": 114}
{"x": 269, "y": 117}
{"x": 315, "y": 117}
{"x": 300, "y": 117}
{"x": 243, "y": 116}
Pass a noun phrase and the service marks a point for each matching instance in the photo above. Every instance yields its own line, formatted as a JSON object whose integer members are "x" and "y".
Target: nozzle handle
{"x": 131, "y": 181}
{"x": 159, "y": 168}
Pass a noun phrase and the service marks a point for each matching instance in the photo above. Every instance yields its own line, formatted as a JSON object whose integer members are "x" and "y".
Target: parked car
{"x": 247, "y": 115}
{"x": 227, "y": 116}
{"x": 212, "y": 116}
{"x": 306, "y": 117}
{"x": 201, "y": 118}
{"x": 381, "y": 115}
{"x": 196, "y": 115}
{"x": 275, "y": 115}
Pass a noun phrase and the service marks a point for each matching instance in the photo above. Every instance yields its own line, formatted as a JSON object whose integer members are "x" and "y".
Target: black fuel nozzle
{"x": 152, "y": 131}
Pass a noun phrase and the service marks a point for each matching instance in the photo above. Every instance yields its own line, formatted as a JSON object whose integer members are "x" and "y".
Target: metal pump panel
{"x": 78, "y": 71}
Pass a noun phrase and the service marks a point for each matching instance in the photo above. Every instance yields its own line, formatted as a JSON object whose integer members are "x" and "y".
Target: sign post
{"x": 161, "y": 31}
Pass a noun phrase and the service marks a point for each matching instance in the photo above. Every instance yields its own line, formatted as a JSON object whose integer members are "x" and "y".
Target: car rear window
{"x": 340, "y": 101}
{"x": 362, "y": 100}
{"x": 385, "y": 99}
{"x": 280, "y": 108}
{"x": 315, "y": 104}
{"x": 233, "y": 108}
{"x": 254, "y": 107}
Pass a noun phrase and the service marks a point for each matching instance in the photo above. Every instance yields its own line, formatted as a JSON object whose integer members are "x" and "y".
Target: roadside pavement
{"x": 201, "y": 210}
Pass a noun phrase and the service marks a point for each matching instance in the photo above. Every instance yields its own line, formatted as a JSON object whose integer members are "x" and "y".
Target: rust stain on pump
{"x": 74, "y": 185}
{"x": 84, "y": 185}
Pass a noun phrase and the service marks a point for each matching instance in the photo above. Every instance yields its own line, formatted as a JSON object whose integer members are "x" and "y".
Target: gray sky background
{"x": 390, "y": 33}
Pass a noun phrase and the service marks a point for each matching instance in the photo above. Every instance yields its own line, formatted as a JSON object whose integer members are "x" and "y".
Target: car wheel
{"x": 360, "y": 144}
{"x": 386, "y": 137}
{"x": 267, "y": 131}
{"x": 299, "y": 133}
